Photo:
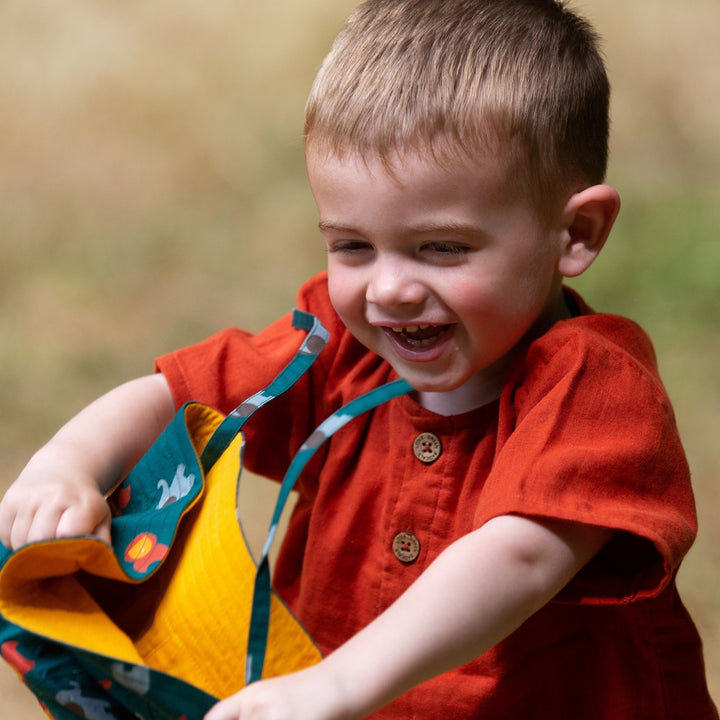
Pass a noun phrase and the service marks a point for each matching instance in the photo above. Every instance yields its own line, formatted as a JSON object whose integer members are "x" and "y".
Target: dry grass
{"x": 152, "y": 191}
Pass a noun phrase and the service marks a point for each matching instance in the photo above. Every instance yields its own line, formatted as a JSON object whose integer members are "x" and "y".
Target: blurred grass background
{"x": 152, "y": 191}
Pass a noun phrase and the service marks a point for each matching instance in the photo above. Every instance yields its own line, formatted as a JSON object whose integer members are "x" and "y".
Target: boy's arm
{"x": 476, "y": 593}
{"x": 61, "y": 490}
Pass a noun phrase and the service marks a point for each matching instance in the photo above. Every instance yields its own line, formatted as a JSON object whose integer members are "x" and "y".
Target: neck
{"x": 481, "y": 389}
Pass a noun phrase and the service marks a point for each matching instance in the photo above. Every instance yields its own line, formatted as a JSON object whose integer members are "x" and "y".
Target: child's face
{"x": 441, "y": 270}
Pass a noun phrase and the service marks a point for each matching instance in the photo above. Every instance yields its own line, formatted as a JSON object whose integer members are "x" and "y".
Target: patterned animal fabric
{"x": 176, "y": 613}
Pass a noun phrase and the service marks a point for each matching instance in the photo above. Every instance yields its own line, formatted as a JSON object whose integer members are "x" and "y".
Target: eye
{"x": 447, "y": 249}
{"x": 348, "y": 247}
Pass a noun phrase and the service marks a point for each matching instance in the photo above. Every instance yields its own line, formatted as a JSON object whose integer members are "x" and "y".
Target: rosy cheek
{"x": 341, "y": 299}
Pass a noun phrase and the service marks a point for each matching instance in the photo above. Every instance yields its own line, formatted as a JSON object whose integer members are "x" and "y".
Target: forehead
{"x": 419, "y": 178}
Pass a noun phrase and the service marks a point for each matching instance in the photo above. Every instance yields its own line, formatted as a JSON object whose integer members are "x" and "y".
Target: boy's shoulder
{"x": 606, "y": 353}
{"x": 589, "y": 331}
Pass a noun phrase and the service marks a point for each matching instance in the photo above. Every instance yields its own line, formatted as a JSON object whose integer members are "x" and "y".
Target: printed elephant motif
{"x": 180, "y": 486}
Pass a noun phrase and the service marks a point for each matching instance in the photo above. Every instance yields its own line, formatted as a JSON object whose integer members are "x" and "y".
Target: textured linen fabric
{"x": 583, "y": 431}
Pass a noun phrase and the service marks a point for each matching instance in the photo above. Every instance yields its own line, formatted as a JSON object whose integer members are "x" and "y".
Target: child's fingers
{"x": 15, "y": 517}
{"x": 43, "y": 524}
{"x": 221, "y": 711}
{"x": 34, "y": 522}
{"x": 5, "y": 524}
{"x": 20, "y": 522}
{"x": 26, "y": 521}
{"x": 233, "y": 708}
{"x": 102, "y": 530}
{"x": 84, "y": 518}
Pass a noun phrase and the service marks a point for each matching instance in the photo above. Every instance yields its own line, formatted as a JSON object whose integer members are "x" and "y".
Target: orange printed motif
{"x": 122, "y": 497}
{"x": 144, "y": 550}
{"x": 9, "y": 651}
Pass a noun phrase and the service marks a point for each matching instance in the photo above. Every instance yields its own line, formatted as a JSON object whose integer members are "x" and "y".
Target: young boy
{"x": 503, "y": 542}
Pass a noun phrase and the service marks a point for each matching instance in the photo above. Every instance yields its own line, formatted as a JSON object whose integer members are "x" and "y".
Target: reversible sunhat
{"x": 175, "y": 613}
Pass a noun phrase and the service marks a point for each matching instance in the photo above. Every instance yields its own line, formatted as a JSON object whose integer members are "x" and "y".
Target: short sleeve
{"x": 587, "y": 435}
{"x": 225, "y": 369}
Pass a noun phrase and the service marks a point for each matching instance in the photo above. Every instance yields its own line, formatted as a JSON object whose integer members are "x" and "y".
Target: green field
{"x": 152, "y": 191}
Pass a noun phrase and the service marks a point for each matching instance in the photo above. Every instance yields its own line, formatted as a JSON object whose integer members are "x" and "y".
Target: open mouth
{"x": 418, "y": 337}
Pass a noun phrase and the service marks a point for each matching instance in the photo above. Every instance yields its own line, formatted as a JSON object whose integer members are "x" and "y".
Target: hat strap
{"x": 260, "y": 617}
{"x": 306, "y": 355}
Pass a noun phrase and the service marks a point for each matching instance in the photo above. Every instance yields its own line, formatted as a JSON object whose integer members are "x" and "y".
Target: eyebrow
{"x": 424, "y": 229}
{"x": 327, "y": 225}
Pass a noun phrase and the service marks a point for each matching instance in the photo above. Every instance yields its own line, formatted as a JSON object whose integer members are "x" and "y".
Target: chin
{"x": 426, "y": 382}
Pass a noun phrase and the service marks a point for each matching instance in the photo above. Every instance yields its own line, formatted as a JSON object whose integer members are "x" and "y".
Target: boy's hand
{"x": 61, "y": 491}
{"x": 306, "y": 695}
{"x": 48, "y": 501}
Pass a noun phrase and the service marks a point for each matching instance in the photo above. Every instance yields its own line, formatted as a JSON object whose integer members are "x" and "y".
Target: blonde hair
{"x": 523, "y": 77}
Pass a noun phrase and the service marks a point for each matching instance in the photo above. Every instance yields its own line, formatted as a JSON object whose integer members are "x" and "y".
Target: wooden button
{"x": 427, "y": 447}
{"x": 406, "y": 547}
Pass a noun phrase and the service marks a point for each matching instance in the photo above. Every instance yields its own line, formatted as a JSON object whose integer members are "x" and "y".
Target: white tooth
{"x": 411, "y": 328}
{"x": 423, "y": 327}
{"x": 397, "y": 330}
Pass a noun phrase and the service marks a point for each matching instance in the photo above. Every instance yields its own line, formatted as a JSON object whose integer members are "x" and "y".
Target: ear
{"x": 587, "y": 220}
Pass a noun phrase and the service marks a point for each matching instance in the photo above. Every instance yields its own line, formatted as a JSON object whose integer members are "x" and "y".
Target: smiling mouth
{"x": 418, "y": 337}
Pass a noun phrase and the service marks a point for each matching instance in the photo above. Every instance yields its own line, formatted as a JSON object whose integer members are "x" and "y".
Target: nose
{"x": 393, "y": 283}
